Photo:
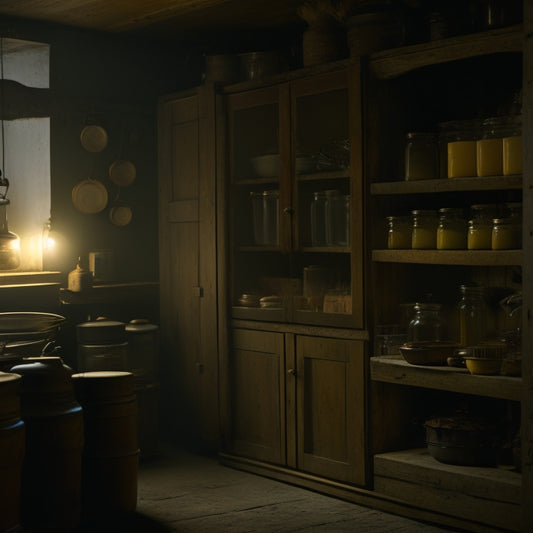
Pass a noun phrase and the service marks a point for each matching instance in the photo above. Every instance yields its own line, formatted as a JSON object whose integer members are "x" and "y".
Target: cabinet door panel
{"x": 330, "y": 408}
{"x": 257, "y": 395}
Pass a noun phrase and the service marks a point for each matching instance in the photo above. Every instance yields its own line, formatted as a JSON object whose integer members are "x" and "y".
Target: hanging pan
{"x": 93, "y": 138}
{"x": 122, "y": 172}
{"x": 90, "y": 196}
{"x": 120, "y": 214}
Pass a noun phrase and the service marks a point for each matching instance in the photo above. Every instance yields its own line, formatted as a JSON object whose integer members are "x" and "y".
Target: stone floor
{"x": 184, "y": 493}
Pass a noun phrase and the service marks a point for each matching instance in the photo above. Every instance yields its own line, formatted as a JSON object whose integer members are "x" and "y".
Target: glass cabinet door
{"x": 327, "y": 231}
{"x": 295, "y": 206}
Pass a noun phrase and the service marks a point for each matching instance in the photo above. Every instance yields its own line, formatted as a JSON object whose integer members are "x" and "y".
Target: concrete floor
{"x": 184, "y": 493}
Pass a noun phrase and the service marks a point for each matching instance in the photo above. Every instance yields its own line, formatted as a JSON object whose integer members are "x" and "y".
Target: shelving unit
{"x": 483, "y": 497}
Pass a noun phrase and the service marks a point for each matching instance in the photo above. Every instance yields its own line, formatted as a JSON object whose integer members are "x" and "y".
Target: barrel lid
{"x": 103, "y": 384}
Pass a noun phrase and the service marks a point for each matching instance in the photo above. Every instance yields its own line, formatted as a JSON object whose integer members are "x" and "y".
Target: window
{"x": 26, "y": 142}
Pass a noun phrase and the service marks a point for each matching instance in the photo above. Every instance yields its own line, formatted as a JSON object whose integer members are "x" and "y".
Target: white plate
{"x": 93, "y": 138}
{"x": 90, "y": 196}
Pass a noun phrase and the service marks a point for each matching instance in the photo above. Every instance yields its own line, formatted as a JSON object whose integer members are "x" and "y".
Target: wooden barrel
{"x": 11, "y": 450}
{"x": 111, "y": 452}
{"x": 51, "y": 474}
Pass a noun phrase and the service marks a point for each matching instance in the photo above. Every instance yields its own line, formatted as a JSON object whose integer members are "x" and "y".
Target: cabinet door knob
{"x": 291, "y": 372}
{"x": 288, "y": 210}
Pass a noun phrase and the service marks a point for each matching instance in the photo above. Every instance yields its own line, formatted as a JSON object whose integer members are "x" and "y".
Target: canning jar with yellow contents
{"x": 451, "y": 230}
{"x": 399, "y": 232}
{"x": 506, "y": 234}
{"x": 480, "y": 225}
{"x": 424, "y": 233}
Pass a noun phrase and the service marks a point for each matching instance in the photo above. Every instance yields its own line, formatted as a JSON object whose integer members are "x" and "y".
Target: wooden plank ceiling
{"x": 159, "y": 18}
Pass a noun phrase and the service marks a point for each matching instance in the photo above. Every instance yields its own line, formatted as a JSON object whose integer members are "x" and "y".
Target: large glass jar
{"x": 421, "y": 156}
{"x": 451, "y": 231}
{"x": 424, "y": 234}
{"x": 318, "y": 219}
{"x": 489, "y": 149}
{"x": 428, "y": 324}
{"x": 512, "y": 147}
{"x": 337, "y": 220}
{"x": 473, "y": 315}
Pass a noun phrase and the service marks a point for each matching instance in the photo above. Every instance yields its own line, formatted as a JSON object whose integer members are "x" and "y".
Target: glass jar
{"x": 424, "y": 233}
{"x": 399, "y": 232}
{"x": 451, "y": 231}
{"x": 458, "y": 144}
{"x": 473, "y": 315}
{"x": 337, "y": 220}
{"x": 489, "y": 149}
{"x": 427, "y": 325}
{"x": 479, "y": 234}
{"x": 421, "y": 156}
{"x": 513, "y": 148}
{"x": 270, "y": 218}
{"x": 318, "y": 219}
{"x": 506, "y": 234}
{"x": 257, "y": 214}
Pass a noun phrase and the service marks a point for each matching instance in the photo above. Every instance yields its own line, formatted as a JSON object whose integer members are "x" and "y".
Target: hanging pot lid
{"x": 90, "y": 196}
{"x": 93, "y": 138}
{"x": 120, "y": 215}
{"x": 122, "y": 172}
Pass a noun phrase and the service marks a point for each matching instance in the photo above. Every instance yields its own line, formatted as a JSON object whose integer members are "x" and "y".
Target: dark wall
{"x": 114, "y": 82}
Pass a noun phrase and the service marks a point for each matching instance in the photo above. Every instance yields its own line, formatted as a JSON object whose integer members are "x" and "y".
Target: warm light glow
{"x": 49, "y": 243}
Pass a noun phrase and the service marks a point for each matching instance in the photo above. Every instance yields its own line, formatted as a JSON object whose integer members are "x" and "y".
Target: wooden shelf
{"x": 331, "y": 175}
{"x": 392, "y": 63}
{"x": 111, "y": 292}
{"x": 450, "y": 257}
{"x": 488, "y": 183}
{"x": 394, "y": 369}
{"x": 481, "y": 494}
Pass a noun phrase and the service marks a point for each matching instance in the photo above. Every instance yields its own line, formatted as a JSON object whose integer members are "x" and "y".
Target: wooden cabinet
{"x": 188, "y": 267}
{"x": 288, "y": 142}
{"x": 299, "y": 401}
{"x": 417, "y": 88}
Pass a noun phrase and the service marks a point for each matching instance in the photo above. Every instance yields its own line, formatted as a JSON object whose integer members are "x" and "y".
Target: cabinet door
{"x": 257, "y": 395}
{"x": 330, "y": 408}
{"x": 187, "y": 262}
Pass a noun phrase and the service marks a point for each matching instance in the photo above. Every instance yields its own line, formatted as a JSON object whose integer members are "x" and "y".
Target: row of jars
{"x": 466, "y": 149}
{"x": 489, "y": 226}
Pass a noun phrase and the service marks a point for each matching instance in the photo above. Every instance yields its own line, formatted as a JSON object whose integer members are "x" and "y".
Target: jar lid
{"x": 423, "y": 213}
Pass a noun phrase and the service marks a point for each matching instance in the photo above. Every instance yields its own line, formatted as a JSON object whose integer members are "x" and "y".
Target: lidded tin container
{"x": 12, "y": 443}
{"x": 399, "y": 232}
{"x": 421, "y": 156}
{"x": 424, "y": 234}
{"x": 51, "y": 478}
{"x": 451, "y": 230}
{"x": 143, "y": 349}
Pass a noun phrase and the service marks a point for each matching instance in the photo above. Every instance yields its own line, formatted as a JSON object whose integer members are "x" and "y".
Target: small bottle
{"x": 399, "y": 232}
{"x": 424, "y": 234}
{"x": 421, "y": 156}
{"x": 451, "y": 231}
{"x": 473, "y": 315}
{"x": 427, "y": 325}
{"x": 318, "y": 219}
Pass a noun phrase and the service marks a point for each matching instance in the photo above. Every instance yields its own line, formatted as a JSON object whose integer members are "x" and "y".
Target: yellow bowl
{"x": 483, "y": 365}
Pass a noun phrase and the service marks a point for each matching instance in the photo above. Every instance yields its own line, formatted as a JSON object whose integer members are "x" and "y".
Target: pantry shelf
{"x": 450, "y": 257}
{"x": 487, "y": 183}
{"x": 394, "y": 62}
{"x": 395, "y": 369}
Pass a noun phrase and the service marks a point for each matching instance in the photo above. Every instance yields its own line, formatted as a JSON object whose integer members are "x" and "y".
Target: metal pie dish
{"x": 93, "y": 138}
{"x": 90, "y": 196}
